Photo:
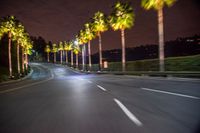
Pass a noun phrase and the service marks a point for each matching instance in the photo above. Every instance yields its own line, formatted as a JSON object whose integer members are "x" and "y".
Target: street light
{"x": 76, "y": 42}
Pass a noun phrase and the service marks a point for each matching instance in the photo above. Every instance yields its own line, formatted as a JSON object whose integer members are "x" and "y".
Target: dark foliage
{"x": 179, "y": 47}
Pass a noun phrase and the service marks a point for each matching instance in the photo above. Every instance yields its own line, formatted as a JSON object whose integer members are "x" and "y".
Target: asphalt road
{"x": 55, "y": 99}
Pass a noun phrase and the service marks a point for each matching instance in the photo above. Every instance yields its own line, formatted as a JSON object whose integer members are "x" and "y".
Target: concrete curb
{"x": 18, "y": 80}
{"x": 71, "y": 68}
{"x": 153, "y": 74}
{"x": 167, "y": 75}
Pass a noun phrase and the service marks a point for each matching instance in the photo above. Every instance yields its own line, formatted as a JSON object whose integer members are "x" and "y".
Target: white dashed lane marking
{"x": 131, "y": 116}
{"x": 100, "y": 87}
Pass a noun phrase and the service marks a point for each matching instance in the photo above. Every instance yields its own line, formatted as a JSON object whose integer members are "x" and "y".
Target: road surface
{"x": 56, "y": 99}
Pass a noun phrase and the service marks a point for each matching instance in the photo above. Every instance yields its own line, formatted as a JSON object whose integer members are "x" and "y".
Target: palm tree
{"x": 61, "y": 48}
{"x": 100, "y": 25}
{"x": 72, "y": 56}
{"x": 20, "y": 33}
{"x": 122, "y": 17}
{"x": 8, "y": 25}
{"x": 76, "y": 50}
{"x": 67, "y": 47}
{"x": 54, "y": 50}
{"x": 89, "y": 35}
{"x": 47, "y": 50}
{"x": 158, "y": 5}
{"x": 23, "y": 45}
{"x": 27, "y": 51}
{"x": 81, "y": 41}
{"x": 83, "y": 57}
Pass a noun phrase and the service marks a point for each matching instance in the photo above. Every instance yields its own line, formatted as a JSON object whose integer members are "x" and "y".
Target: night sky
{"x": 59, "y": 20}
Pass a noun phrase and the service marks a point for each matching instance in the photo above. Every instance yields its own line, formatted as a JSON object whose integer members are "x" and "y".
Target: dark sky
{"x": 59, "y": 20}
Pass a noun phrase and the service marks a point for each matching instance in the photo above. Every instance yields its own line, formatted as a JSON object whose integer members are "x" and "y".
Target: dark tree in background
{"x": 39, "y": 44}
{"x": 175, "y": 48}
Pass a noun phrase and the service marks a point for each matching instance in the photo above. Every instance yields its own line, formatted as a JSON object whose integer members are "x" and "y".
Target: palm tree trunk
{"x": 18, "y": 62}
{"x": 123, "y": 51}
{"x": 47, "y": 56}
{"x": 54, "y": 57}
{"x": 26, "y": 57}
{"x": 83, "y": 57}
{"x": 100, "y": 52}
{"x": 72, "y": 60}
{"x": 89, "y": 54}
{"x": 66, "y": 57}
{"x": 61, "y": 57}
{"x": 77, "y": 61}
{"x": 9, "y": 54}
{"x": 22, "y": 59}
{"x": 161, "y": 40}
{"x": 27, "y": 60}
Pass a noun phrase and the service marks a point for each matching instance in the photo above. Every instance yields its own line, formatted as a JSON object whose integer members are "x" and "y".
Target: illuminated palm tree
{"x": 47, "y": 50}
{"x": 76, "y": 50}
{"x": 81, "y": 41}
{"x": 67, "y": 48}
{"x": 122, "y": 17}
{"x": 89, "y": 35}
{"x": 100, "y": 25}
{"x": 7, "y": 26}
{"x": 24, "y": 40}
{"x": 71, "y": 50}
{"x": 61, "y": 48}
{"x": 158, "y": 5}
{"x": 27, "y": 51}
{"x": 19, "y": 36}
{"x": 54, "y": 50}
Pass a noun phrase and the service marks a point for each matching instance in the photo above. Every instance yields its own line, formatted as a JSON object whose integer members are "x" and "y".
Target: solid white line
{"x": 171, "y": 93}
{"x": 28, "y": 85}
{"x": 101, "y": 88}
{"x": 128, "y": 113}
{"x": 17, "y": 88}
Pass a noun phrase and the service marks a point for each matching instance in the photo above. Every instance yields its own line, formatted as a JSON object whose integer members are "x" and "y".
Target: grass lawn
{"x": 185, "y": 63}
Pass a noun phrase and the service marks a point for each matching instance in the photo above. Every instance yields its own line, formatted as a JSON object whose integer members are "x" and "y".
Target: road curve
{"x": 56, "y": 99}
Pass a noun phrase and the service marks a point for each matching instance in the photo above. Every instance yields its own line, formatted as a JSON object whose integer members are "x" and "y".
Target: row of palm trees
{"x": 61, "y": 48}
{"x": 122, "y": 17}
{"x": 16, "y": 32}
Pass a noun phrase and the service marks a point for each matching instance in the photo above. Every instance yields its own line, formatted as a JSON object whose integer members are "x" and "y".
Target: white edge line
{"x": 128, "y": 113}
{"x": 89, "y": 81}
{"x": 79, "y": 78}
{"x": 171, "y": 93}
{"x": 101, "y": 88}
{"x": 9, "y": 90}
